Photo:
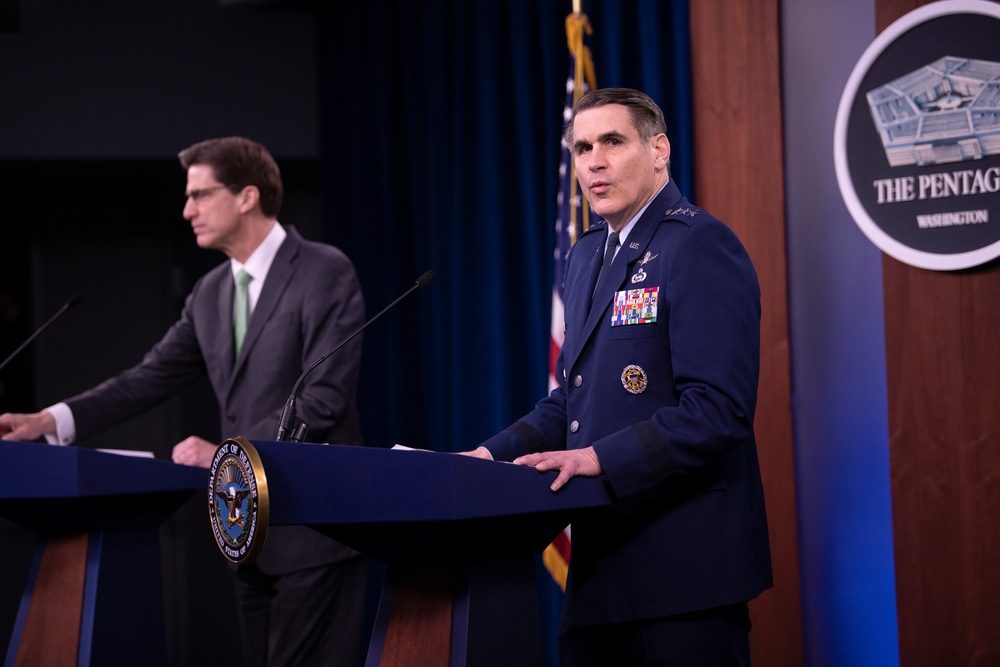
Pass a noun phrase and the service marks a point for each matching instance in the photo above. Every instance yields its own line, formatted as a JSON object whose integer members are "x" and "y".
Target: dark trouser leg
{"x": 307, "y": 617}
{"x": 712, "y": 638}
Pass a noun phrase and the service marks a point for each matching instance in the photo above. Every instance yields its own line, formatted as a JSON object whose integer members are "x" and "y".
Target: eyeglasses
{"x": 200, "y": 195}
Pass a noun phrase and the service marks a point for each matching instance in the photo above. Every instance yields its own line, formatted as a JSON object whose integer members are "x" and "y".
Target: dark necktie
{"x": 609, "y": 258}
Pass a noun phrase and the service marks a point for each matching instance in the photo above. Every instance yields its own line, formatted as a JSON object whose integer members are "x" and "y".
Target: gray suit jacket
{"x": 310, "y": 301}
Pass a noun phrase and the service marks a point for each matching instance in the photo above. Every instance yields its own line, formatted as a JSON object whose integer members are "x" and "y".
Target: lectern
{"x": 94, "y": 592}
{"x": 458, "y": 533}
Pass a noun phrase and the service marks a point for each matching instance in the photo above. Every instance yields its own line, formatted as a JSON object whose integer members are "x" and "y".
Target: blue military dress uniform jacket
{"x": 660, "y": 376}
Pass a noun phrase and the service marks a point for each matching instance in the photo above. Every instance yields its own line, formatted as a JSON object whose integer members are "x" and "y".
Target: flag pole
{"x": 577, "y": 25}
{"x": 557, "y": 555}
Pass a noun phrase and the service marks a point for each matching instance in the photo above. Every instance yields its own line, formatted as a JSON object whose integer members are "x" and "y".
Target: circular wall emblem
{"x": 237, "y": 500}
{"x": 917, "y": 137}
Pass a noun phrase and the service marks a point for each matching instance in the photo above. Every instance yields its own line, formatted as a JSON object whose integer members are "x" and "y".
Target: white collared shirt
{"x": 259, "y": 263}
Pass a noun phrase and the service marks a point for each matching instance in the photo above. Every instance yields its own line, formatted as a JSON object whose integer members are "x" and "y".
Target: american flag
{"x": 574, "y": 218}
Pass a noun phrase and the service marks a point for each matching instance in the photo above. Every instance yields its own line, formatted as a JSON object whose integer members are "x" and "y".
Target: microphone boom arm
{"x": 75, "y": 299}
{"x": 293, "y": 429}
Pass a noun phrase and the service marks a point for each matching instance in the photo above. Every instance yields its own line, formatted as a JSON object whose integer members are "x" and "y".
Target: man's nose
{"x": 595, "y": 160}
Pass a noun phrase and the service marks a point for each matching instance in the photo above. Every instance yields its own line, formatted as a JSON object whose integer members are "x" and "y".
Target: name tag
{"x": 635, "y": 306}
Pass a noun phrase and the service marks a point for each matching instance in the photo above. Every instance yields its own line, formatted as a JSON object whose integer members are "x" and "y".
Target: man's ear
{"x": 249, "y": 198}
{"x": 662, "y": 146}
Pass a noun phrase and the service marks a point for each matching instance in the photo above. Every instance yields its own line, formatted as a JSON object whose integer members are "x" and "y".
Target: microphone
{"x": 293, "y": 429}
{"x": 75, "y": 299}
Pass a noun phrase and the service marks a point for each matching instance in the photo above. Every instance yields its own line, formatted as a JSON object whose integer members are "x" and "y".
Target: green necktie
{"x": 242, "y": 308}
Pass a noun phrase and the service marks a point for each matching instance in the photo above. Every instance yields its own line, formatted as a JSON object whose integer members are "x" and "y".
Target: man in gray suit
{"x": 302, "y": 601}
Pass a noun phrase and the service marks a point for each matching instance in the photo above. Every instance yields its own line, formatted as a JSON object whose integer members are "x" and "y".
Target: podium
{"x": 94, "y": 591}
{"x": 459, "y": 535}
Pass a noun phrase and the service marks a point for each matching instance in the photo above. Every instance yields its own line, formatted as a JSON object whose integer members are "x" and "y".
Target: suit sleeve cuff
{"x": 65, "y": 425}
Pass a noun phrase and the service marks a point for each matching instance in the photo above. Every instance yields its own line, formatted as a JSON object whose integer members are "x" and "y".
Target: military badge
{"x": 681, "y": 211}
{"x": 634, "y": 379}
{"x": 635, "y": 306}
{"x": 238, "y": 501}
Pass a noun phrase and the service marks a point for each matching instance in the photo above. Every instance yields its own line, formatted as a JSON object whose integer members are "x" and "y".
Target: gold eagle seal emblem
{"x": 237, "y": 500}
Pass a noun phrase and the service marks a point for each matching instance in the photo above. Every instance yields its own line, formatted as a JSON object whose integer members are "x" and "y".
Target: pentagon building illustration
{"x": 947, "y": 111}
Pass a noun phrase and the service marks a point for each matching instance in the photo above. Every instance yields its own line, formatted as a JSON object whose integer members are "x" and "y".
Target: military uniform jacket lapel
{"x": 584, "y": 316}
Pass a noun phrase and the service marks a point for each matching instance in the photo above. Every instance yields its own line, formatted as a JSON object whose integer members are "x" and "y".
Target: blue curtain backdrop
{"x": 440, "y": 146}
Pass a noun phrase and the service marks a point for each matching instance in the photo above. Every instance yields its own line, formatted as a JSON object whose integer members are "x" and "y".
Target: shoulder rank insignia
{"x": 690, "y": 212}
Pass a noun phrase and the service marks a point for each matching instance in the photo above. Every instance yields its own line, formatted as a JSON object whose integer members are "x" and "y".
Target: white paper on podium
{"x": 128, "y": 452}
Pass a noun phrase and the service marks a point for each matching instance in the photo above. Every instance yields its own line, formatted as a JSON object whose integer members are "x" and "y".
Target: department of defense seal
{"x": 237, "y": 500}
{"x": 634, "y": 379}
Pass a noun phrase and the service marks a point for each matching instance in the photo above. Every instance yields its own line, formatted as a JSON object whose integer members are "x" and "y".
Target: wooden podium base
{"x": 53, "y": 611}
{"x": 92, "y": 598}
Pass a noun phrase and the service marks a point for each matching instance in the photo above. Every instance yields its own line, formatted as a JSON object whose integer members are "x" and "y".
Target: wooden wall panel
{"x": 944, "y": 446}
{"x": 739, "y": 169}
{"x": 943, "y": 364}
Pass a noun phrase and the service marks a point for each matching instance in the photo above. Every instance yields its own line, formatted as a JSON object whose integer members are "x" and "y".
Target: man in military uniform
{"x": 658, "y": 387}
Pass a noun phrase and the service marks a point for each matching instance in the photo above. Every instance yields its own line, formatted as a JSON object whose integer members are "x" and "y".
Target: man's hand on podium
{"x": 478, "y": 453}
{"x": 14, "y": 426}
{"x": 569, "y": 463}
{"x": 194, "y": 451}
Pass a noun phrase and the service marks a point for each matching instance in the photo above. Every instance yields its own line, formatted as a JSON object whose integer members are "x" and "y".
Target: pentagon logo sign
{"x": 237, "y": 500}
{"x": 917, "y": 137}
